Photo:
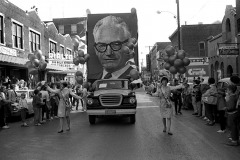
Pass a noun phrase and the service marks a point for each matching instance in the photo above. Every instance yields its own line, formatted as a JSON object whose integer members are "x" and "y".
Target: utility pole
{"x": 178, "y": 21}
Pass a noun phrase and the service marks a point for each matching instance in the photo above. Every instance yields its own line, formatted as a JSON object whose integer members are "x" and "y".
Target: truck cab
{"x": 111, "y": 97}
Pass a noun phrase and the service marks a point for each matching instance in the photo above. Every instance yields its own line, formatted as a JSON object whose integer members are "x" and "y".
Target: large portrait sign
{"x": 112, "y": 44}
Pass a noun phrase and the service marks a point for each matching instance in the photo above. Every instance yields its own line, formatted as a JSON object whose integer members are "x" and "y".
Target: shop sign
{"x": 8, "y": 51}
{"x": 68, "y": 64}
{"x": 60, "y": 56}
{"x": 195, "y": 71}
{"x": 229, "y": 50}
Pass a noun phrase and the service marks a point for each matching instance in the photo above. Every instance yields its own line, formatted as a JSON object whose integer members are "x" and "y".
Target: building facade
{"x": 23, "y": 32}
{"x": 223, "y": 49}
{"x": 193, "y": 40}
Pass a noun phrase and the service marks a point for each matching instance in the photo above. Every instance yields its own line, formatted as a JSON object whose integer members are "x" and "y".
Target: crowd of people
{"x": 49, "y": 102}
{"x": 212, "y": 103}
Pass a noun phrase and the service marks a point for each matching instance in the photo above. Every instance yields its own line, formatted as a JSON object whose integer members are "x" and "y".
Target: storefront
{"x": 11, "y": 65}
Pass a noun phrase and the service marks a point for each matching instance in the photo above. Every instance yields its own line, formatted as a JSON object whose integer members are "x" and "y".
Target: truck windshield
{"x": 112, "y": 85}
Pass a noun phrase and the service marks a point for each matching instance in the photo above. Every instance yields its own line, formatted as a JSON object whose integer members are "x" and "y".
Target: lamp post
{"x": 178, "y": 22}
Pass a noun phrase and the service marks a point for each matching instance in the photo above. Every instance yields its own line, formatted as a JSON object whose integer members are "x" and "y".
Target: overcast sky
{"x": 153, "y": 27}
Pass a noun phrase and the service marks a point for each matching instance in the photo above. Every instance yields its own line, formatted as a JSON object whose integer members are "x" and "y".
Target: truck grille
{"x": 110, "y": 99}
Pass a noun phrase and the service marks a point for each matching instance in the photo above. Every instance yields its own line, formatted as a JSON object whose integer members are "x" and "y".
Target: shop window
{"x": 34, "y": 41}
{"x": 69, "y": 52}
{"x": 52, "y": 47}
{"x": 228, "y": 25}
{"x": 61, "y": 29}
{"x": 62, "y": 52}
{"x": 73, "y": 28}
{"x": 17, "y": 32}
{"x": 201, "y": 49}
{"x": 1, "y": 30}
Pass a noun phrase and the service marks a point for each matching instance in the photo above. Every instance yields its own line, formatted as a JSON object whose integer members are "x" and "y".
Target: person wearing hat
{"x": 64, "y": 104}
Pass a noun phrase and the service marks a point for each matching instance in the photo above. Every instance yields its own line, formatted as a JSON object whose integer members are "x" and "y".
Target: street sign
{"x": 198, "y": 70}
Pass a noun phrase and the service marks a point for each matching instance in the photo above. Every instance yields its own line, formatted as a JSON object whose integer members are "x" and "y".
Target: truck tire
{"x": 132, "y": 118}
{"x": 92, "y": 119}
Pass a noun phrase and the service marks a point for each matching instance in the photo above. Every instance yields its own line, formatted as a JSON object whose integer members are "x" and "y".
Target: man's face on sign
{"x": 112, "y": 39}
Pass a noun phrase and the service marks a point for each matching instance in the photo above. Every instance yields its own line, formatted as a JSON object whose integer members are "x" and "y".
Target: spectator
{"x": 54, "y": 101}
{"x": 46, "y": 106}
{"x": 210, "y": 102}
{"x": 84, "y": 97}
{"x": 37, "y": 103}
{"x": 221, "y": 104}
{"x": 187, "y": 100}
{"x": 5, "y": 107}
{"x": 196, "y": 99}
{"x": 12, "y": 95}
{"x": 177, "y": 98}
{"x": 24, "y": 108}
{"x": 231, "y": 108}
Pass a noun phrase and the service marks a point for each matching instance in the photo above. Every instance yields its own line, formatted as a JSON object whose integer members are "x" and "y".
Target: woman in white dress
{"x": 166, "y": 109}
{"x": 63, "y": 110}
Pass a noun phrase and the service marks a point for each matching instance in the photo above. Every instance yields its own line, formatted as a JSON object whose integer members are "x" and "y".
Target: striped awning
{"x": 54, "y": 67}
{"x": 12, "y": 59}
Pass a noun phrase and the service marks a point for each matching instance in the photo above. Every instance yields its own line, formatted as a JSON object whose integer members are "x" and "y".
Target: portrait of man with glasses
{"x": 111, "y": 34}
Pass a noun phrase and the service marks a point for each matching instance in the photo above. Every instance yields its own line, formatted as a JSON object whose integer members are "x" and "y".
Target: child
{"x": 37, "y": 103}
{"x": 23, "y": 108}
{"x": 84, "y": 97}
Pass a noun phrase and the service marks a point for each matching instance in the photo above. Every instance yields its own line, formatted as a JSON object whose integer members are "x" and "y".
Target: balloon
{"x": 182, "y": 70}
{"x": 31, "y": 57}
{"x": 76, "y": 61}
{"x": 178, "y": 63}
{"x": 42, "y": 58}
{"x": 85, "y": 84}
{"x": 36, "y": 62}
{"x": 42, "y": 65}
{"x": 181, "y": 54}
{"x": 79, "y": 73}
{"x": 134, "y": 74}
{"x": 167, "y": 66}
{"x": 29, "y": 64}
{"x": 81, "y": 60}
{"x": 79, "y": 80}
{"x": 170, "y": 50}
{"x": 186, "y": 61}
{"x": 165, "y": 58}
{"x": 86, "y": 57}
{"x": 80, "y": 53}
{"x": 171, "y": 59}
{"x": 164, "y": 53}
{"x": 38, "y": 54}
{"x": 32, "y": 71}
{"x": 173, "y": 70}
{"x": 133, "y": 11}
{"x": 130, "y": 45}
{"x": 75, "y": 42}
{"x": 126, "y": 50}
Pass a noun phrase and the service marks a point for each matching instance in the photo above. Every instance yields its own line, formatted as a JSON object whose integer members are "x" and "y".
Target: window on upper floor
{"x": 1, "y": 30}
{"x": 201, "y": 49}
{"x": 34, "y": 41}
{"x": 238, "y": 25}
{"x": 52, "y": 47}
{"x": 17, "y": 33}
{"x": 62, "y": 50}
{"x": 61, "y": 29}
{"x": 69, "y": 52}
{"x": 228, "y": 25}
{"x": 73, "y": 28}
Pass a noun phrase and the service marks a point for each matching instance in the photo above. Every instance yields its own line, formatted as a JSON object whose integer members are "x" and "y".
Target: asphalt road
{"x": 116, "y": 139}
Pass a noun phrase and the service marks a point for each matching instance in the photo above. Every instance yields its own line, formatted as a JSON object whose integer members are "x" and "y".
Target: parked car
{"x": 15, "y": 111}
{"x": 111, "y": 97}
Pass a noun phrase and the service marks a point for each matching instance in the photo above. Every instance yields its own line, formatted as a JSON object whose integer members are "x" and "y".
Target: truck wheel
{"x": 132, "y": 118}
{"x": 92, "y": 119}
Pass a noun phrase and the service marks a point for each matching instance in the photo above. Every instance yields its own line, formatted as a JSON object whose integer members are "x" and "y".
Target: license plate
{"x": 110, "y": 111}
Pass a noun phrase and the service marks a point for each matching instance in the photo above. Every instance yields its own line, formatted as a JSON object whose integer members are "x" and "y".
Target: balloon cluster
{"x": 36, "y": 62}
{"x": 175, "y": 60}
{"x": 80, "y": 58}
{"x": 79, "y": 77}
{"x": 134, "y": 74}
{"x": 129, "y": 48}
{"x": 78, "y": 46}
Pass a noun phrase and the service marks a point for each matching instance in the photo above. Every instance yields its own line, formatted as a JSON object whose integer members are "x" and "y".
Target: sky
{"x": 152, "y": 27}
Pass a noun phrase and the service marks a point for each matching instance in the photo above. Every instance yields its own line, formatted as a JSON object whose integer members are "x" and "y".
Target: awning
{"x": 63, "y": 72}
{"x": 12, "y": 59}
{"x": 58, "y": 68}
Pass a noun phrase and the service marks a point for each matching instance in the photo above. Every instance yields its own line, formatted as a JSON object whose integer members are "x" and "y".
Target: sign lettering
{"x": 8, "y": 51}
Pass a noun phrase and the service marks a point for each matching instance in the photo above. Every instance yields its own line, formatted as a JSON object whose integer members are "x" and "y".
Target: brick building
{"x": 23, "y": 32}
{"x": 194, "y": 43}
{"x": 223, "y": 48}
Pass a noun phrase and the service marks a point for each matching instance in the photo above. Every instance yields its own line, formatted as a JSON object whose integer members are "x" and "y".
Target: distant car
{"x": 15, "y": 111}
{"x": 111, "y": 97}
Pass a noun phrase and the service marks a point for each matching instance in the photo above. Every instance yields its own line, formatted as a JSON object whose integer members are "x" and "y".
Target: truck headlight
{"x": 132, "y": 100}
{"x": 90, "y": 101}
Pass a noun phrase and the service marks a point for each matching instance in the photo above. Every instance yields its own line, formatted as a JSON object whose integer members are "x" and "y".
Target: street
{"x": 115, "y": 138}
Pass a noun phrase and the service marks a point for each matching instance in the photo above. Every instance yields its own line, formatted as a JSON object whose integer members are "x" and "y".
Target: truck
{"x": 114, "y": 96}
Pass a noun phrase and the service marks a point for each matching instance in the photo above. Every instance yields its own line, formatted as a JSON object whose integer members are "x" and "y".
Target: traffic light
{"x": 148, "y": 62}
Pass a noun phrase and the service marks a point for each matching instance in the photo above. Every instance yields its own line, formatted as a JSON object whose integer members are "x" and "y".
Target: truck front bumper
{"x": 111, "y": 111}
